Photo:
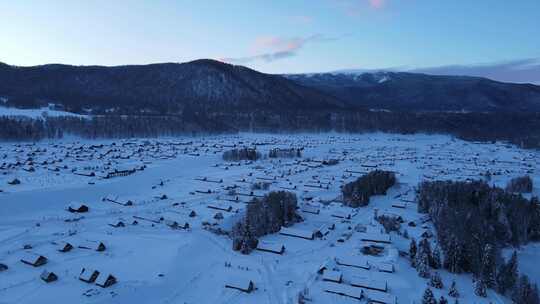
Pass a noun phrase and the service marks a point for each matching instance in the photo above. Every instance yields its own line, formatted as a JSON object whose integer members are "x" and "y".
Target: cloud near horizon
{"x": 271, "y": 48}
{"x": 517, "y": 71}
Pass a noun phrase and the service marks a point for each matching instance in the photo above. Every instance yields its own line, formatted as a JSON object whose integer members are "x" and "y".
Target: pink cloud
{"x": 271, "y": 48}
{"x": 377, "y": 4}
{"x": 276, "y": 44}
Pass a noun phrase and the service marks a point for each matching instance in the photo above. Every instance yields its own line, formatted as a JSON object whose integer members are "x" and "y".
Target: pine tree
{"x": 507, "y": 278}
{"x": 535, "y": 297}
{"x": 525, "y": 292}
{"x": 436, "y": 258}
{"x": 443, "y": 300}
{"x": 479, "y": 287}
{"x": 453, "y": 256}
{"x": 453, "y": 292}
{"x": 501, "y": 277}
{"x": 424, "y": 247}
{"x": 422, "y": 266}
{"x": 488, "y": 266}
{"x": 428, "y": 297}
{"x": 436, "y": 281}
{"x": 412, "y": 252}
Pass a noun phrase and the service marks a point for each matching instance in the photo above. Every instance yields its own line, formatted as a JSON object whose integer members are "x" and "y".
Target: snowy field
{"x": 35, "y": 113}
{"x": 170, "y": 180}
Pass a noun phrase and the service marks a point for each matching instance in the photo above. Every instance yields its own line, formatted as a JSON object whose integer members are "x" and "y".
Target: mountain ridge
{"x": 417, "y": 92}
{"x": 206, "y": 84}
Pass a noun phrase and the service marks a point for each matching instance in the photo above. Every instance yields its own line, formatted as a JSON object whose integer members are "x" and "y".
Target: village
{"x": 149, "y": 220}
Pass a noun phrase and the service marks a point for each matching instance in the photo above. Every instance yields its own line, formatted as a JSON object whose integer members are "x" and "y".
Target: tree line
{"x": 264, "y": 216}
{"x": 474, "y": 221}
{"x": 522, "y": 129}
{"x": 377, "y": 182}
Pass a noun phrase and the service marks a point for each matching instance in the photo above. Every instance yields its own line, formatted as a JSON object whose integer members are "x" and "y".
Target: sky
{"x": 499, "y": 39}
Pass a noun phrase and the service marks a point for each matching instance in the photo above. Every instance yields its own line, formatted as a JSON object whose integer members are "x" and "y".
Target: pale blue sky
{"x": 281, "y": 36}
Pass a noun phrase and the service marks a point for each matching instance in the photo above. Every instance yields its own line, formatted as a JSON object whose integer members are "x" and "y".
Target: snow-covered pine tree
{"x": 507, "y": 276}
{"x": 525, "y": 292}
{"x": 436, "y": 281}
{"x": 428, "y": 297}
{"x": 436, "y": 258}
{"x": 443, "y": 300}
{"x": 412, "y": 252}
{"x": 488, "y": 275}
{"x": 479, "y": 287}
{"x": 422, "y": 266}
{"x": 424, "y": 247}
{"x": 453, "y": 256}
{"x": 453, "y": 292}
{"x": 535, "y": 295}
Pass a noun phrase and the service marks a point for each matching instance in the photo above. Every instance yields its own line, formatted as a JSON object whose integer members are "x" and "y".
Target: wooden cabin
{"x": 88, "y": 275}
{"x": 332, "y": 276}
{"x": 33, "y": 259}
{"x": 353, "y": 261}
{"x": 93, "y": 245}
{"x": 385, "y": 267}
{"x": 379, "y": 285}
{"x": 324, "y": 230}
{"x": 65, "y": 247}
{"x": 299, "y": 233}
{"x": 343, "y": 290}
{"x": 105, "y": 281}
{"x": 271, "y": 247}
{"x": 376, "y": 238}
{"x": 310, "y": 209}
{"x": 401, "y": 205}
{"x": 378, "y": 297}
{"x": 244, "y": 285}
{"x": 117, "y": 200}
{"x": 341, "y": 215}
{"x": 222, "y": 207}
{"x": 117, "y": 224}
{"x": 78, "y": 208}
{"x": 48, "y": 276}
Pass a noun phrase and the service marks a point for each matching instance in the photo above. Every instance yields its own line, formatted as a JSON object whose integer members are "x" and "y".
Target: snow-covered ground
{"x": 156, "y": 264}
{"x": 35, "y": 113}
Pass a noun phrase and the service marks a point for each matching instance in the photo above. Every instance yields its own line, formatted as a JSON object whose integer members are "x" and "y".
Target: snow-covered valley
{"x": 156, "y": 258}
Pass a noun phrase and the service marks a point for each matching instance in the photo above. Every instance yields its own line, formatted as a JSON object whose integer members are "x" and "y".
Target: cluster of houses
{"x": 37, "y": 260}
{"x": 217, "y": 201}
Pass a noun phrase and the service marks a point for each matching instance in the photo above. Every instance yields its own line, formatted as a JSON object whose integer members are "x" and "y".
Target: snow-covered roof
{"x": 368, "y": 283}
{"x": 87, "y": 273}
{"x": 376, "y": 237}
{"x": 380, "y": 297}
{"x": 31, "y": 258}
{"x": 102, "y": 279}
{"x": 344, "y": 290}
{"x": 399, "y": 204}
{"x": 353, "y": 261}
{"x": 385, "y": 267}
{"x": 305, "y": 234}
{"x": 271, "y": 247}
{"x": 310, "y": 209}
{"x": 341, "y": 214}
{"x": 239, "y": 283}
{"x": 332, "y": 276}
